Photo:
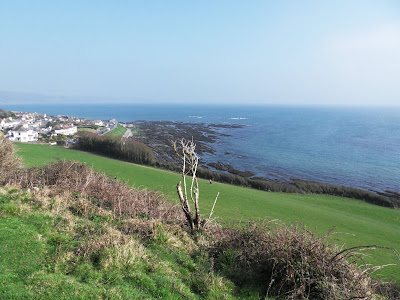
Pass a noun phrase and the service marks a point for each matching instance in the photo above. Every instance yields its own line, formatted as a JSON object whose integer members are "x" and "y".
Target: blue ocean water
{"x": 357, "y": 147}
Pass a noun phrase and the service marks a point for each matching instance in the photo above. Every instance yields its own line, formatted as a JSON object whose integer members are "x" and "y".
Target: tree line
{"x": 115, "y": 147}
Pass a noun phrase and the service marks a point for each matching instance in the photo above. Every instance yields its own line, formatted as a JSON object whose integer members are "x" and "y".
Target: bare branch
{"x": 186, "y": 151}
{"x": 212, "y": 209}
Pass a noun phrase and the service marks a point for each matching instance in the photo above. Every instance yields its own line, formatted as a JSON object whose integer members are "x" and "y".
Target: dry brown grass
{"x": 73, "y": 195}
{"x": 290, "y": 262}
{"x": 8, "y": 160}
{"x": 76, "y": 178}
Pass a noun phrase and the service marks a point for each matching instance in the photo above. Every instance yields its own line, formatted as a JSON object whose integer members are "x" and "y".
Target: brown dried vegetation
{"x": 289, "y": 262}
{"x": 107, "y": 193}
{"x": 8, "y": 159}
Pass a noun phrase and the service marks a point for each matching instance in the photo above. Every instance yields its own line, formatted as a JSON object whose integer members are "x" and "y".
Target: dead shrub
{"x": 390, "y": 290}
{"x": 78, "y": 179}
{"x": 289, "y": 262}
{"x": 8, "y": 160}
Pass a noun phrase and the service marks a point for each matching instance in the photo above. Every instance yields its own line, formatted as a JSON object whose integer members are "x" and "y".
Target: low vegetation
{"x": 88, "y": 129}
{"x": 95, "y": 237}
{"x": 8, "y": 159}
{"x": 295, "y": 187}
{"x": 6, "y": 114}
{"x": 116, "y": 147}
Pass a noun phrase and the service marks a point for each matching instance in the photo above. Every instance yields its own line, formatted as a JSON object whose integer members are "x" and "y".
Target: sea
{"x": 350, "y": 146}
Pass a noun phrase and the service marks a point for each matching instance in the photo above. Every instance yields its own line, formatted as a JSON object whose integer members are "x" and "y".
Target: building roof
{"x": 63, "y": 126}
{"x": 21, "y": 128}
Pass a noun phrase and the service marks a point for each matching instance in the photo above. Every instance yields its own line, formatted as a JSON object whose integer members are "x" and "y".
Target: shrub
{"x": 288, "y": 262}
{"x": 116, "y": 147}
{"x": 78, "y": 179}
{"x": 8, "y": 160}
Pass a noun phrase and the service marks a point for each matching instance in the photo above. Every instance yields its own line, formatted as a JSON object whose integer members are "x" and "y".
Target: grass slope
{"x": 118, "y": 131}
{"x": 52, "y": 253}
{"x": 356, "y": 222}
{"x": 86, "y": 129}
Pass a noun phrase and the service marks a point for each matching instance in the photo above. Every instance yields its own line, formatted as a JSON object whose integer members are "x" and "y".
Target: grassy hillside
{"x": 61, "y": 247}
{"x": 118, "y": 131}
{"x": 356, "y": 222}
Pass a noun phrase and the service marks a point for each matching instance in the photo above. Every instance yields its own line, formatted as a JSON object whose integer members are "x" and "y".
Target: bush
{"x": 116, "y": 147}
{"x": 78, "y": 179}
{"x": 288, "y": 262}
{"x": 8, "y": 160}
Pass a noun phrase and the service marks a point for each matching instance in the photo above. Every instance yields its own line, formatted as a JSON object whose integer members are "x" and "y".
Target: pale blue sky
{"x": 260, "y": 52}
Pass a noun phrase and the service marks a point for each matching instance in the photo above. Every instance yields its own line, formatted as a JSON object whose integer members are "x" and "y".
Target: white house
{"x": 98, "y": 122}
{"x": 23, "y": 134}
{"x": 66, "y": 129}
{"x": 8, "y": 123}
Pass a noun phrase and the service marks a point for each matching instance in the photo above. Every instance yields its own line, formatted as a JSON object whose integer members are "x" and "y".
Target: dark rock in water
{"x": 159, "y": 135}
{"x": 228, "y": 168}
{"x": 390, "y": 194}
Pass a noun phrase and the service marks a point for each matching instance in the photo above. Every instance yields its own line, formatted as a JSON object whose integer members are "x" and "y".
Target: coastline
{"x": 159, "y": 135}
{"x": 341, "y": 146}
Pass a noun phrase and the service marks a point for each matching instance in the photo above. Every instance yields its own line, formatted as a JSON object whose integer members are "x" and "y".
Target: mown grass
{"x": 118, "y": 131}
{"x": 356, "y": 223}
{"x": 86, "y": 129}
{"x": 18, "y": 265}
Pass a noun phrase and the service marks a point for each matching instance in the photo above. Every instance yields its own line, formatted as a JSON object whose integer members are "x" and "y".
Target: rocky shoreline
{"x": 159, "y": 136}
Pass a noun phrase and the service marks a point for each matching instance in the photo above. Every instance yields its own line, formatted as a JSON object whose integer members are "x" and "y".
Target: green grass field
{"x": 355, "y": 222}
{"x": 86, "y": 129}
{"x": 118, "y": 131}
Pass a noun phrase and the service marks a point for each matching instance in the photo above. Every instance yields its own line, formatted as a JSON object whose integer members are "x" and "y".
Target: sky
{"x": 237, "y": 52}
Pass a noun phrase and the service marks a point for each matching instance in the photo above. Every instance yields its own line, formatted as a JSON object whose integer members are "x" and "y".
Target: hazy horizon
{"x": 77, "y": 101}
{"x": 257, "y": 53}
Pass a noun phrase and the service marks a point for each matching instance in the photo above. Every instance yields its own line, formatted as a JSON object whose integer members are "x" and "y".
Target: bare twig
{"x": 190, "y": 161}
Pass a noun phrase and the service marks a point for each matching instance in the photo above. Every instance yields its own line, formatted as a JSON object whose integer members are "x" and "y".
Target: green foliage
{"x": 6, "y": 114}
{"x": 116, "y": 147}
{"x": 89, "y": 129}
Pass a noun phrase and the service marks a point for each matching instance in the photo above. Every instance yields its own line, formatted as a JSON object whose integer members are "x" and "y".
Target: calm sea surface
{"x": 357, "y": 147}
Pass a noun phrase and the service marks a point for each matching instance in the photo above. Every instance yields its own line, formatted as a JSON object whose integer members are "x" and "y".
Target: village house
{"x": 8, "y": 123}
{"x": 97, "y": 122}
{"x": 28, "y": 119}
{"x": 22, "y": 134}
{"x": 65, "y": 129}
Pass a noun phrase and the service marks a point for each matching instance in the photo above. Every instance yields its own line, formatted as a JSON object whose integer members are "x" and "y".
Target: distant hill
{"x": 6, "y": 114}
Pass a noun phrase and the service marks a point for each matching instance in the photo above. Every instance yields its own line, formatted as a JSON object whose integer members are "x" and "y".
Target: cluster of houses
{"x": 30, "y": 127}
